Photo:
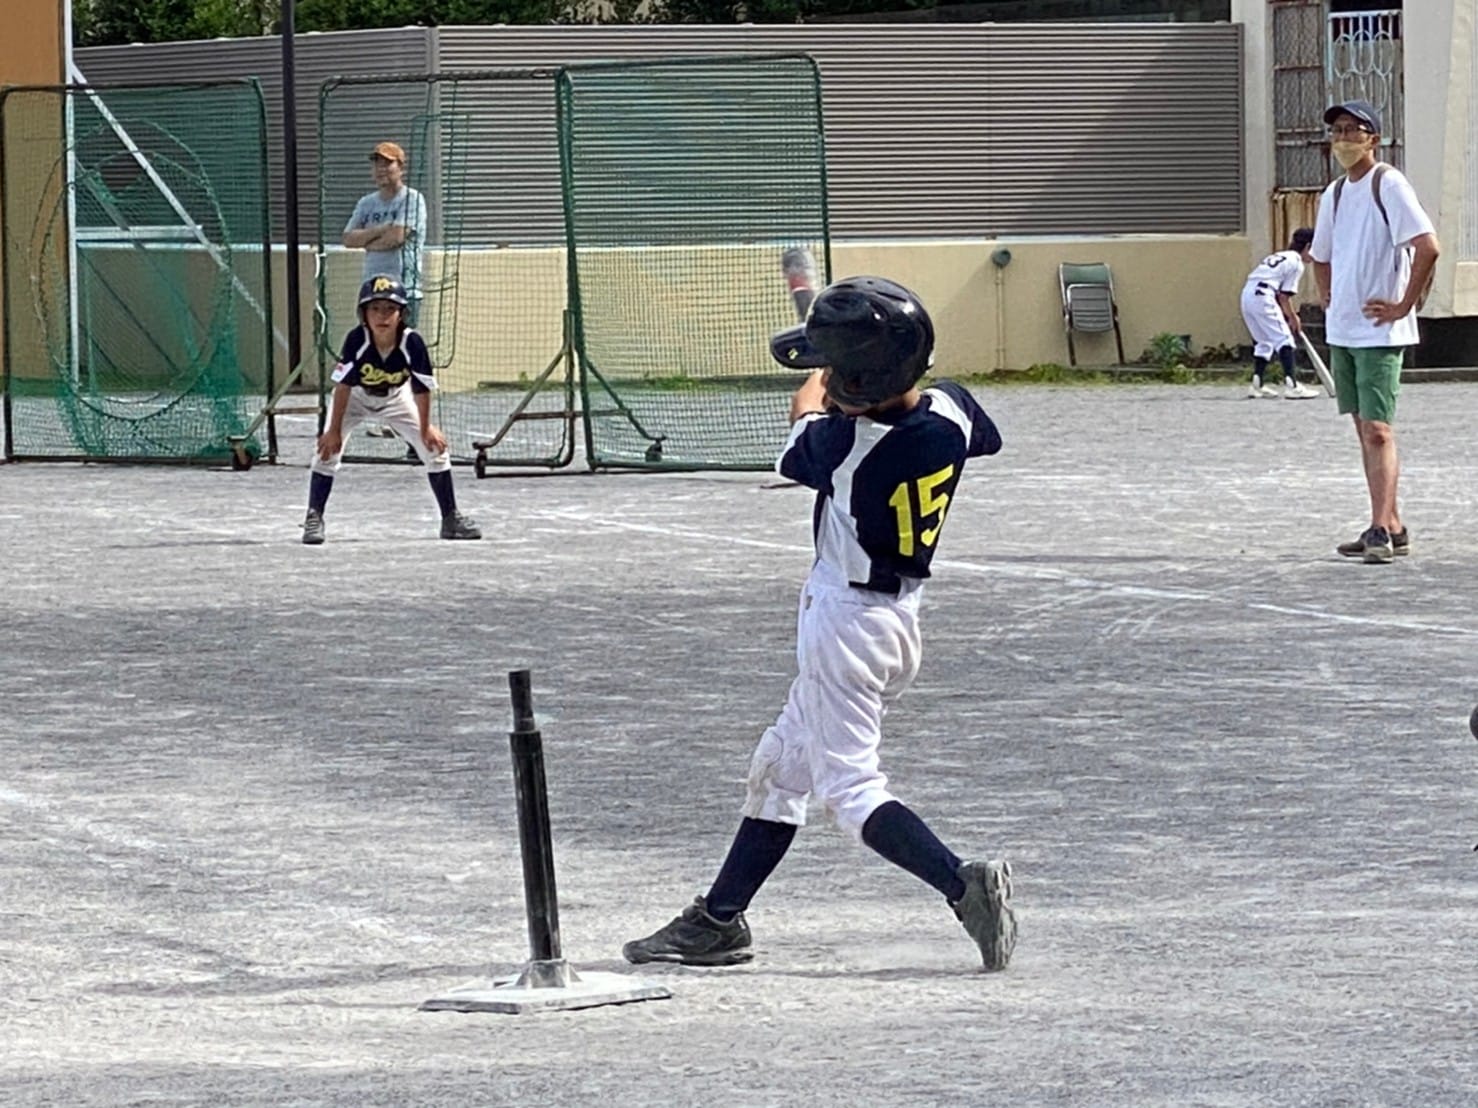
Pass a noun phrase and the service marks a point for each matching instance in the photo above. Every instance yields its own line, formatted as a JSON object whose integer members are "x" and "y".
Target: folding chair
{"x": 1088, "y": 303}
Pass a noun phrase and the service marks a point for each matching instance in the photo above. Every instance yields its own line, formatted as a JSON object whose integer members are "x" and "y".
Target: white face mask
{"x": 1348, "y": 153}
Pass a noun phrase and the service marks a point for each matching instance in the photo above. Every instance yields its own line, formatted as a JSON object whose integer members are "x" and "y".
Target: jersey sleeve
{"x": 1408, "y": 220}
{"x": 346, "y": 370}
{"x": 1322, "y": 248}
{"x": 982, "y": 437}
{"x": 423, "y": 378}
{"x": 818, "y": 443}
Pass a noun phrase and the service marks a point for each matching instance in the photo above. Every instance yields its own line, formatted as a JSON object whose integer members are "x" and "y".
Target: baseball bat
{"x": 1325, "y": 378}
{"x": 799, "y": 268}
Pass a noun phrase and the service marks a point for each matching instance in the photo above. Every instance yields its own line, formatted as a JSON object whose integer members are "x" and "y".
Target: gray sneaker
{"x": 313, "y": 533}
{"x": 695, "y": 939}
{"x": 985, "y": 911}
{"x": 454, "y": 525}
{"x": 1379, "y": 548}
{"x": 1400, "y": 544}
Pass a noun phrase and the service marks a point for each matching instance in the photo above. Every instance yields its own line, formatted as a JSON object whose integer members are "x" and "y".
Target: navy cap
{"x": 1363, "y": 110}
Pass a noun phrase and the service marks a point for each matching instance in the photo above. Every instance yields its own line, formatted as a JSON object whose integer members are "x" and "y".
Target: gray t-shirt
{"x": 406, "y": 208}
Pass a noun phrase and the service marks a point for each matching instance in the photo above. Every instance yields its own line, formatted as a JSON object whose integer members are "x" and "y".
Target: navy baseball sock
{"x": 441, "y": 485}
{"x": 758, "y": 846}
{"x": 1259, "y": 367}
{"x": 895, "y": 832}
{"x": 319, "y": 486}
{"x": 1285, "y": 355}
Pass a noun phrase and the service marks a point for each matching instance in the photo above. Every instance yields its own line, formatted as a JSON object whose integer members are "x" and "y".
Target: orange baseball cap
{"x": 389, "y": 151}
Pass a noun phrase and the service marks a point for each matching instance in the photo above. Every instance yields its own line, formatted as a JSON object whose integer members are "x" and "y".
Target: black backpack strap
{"x": 1380, "y": 171}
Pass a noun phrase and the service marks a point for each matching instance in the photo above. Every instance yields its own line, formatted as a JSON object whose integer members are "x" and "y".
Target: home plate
{"x": 544, "y": 986}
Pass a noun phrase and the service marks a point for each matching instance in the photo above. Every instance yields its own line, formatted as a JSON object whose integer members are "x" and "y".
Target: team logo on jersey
{"x": 373, "y": 376}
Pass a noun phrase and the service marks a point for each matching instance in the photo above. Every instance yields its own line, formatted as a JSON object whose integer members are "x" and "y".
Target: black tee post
{"x": 534, "y": 839}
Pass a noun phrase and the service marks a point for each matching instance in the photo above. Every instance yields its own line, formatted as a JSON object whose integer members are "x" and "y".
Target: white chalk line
{"x": 96, "y": 830}
{"x": 1037, "y": 573}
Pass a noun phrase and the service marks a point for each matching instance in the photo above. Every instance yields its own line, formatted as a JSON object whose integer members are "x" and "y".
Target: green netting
{"x": 689, "y": 185}
{"x": 137, "y": 295}
{"x": 482, "y": 150}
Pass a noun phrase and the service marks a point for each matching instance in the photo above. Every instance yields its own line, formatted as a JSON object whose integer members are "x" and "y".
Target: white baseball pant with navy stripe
{"x": 857, "y": 652}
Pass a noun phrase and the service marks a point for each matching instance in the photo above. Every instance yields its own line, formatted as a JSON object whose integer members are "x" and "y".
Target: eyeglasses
{"x": 1349, "y": 130}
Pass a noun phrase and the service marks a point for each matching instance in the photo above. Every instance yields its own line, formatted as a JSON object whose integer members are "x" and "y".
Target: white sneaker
{"x": 1299, "y": 391}
{"x": 1257, "y": 392}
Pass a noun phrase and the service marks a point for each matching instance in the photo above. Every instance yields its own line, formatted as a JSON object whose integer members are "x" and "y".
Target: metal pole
{"x": 533, "y": 822}
{"x": 290, "y": 185}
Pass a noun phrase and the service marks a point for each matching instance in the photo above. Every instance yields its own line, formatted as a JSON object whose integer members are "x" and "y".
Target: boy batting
{"x": 885, "y": 459}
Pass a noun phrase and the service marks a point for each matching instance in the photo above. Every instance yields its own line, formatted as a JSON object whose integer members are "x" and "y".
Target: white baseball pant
{"x": 857, "y": 652}
{"x": 397, "y": 411}
{"x": 1265, "y": 321}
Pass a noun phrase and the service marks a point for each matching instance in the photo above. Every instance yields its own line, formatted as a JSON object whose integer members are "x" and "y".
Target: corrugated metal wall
{"x": 973, "y": 130}
{"x": 981, "y": 129}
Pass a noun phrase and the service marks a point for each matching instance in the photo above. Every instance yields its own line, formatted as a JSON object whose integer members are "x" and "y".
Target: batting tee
{"x": 603, "y": 257}
{"x": 137, "y": 286}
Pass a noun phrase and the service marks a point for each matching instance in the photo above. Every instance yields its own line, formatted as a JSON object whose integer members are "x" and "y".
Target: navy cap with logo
{"x": 1363, "y": 110}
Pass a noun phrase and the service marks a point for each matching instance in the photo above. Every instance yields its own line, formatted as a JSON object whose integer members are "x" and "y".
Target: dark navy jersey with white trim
{"x": 362, "y": 366}
{"x": 883, "y": 483}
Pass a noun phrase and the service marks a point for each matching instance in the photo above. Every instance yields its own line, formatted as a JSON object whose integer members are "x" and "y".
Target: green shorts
{"x": 1367, "y": 380}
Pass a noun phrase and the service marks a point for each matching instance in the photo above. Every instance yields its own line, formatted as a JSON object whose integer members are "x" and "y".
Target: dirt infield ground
{"x": 256, "y": 800}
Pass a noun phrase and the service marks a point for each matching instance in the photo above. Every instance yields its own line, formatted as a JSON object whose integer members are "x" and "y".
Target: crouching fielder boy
{"x": 384, "y": 373}
{"x": 884, "y": 458}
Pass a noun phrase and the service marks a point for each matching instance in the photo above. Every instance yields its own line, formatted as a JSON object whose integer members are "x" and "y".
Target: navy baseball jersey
{"x": 883, "y": 483}
{"x": 361, "y": 365}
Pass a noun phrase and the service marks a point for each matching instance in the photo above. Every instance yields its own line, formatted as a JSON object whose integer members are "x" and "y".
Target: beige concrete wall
{"x": 31, "y": 53}
{"x": 1257, "y": 126}
{"x": 989, "y": 319}
{"x": 506, "y": 322}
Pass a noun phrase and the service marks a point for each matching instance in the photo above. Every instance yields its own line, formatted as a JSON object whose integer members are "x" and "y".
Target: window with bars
{"x": 1323, "y": 57}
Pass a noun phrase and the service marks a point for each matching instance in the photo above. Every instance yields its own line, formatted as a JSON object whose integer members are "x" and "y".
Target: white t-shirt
{"x": 1368, "y": 260}
{"x": 406, "y": 208}
{"x": 1281, "y": 270}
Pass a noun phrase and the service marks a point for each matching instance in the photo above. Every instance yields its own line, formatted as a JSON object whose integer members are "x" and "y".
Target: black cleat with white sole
{"x": 694, "y": 939}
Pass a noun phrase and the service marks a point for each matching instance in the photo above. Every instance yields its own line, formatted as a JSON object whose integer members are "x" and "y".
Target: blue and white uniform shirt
{"x": 362, "y": 366}
{"x": 884, "y": 483}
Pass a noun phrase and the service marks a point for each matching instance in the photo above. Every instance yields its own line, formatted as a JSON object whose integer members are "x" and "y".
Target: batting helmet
{"x": 381, "y": 287}
{"x": 873, "y": 333}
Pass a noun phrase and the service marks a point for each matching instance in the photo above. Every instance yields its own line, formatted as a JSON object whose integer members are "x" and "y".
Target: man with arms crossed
{"x": 1373, "y": 252}
{"x": 389, "y": 225}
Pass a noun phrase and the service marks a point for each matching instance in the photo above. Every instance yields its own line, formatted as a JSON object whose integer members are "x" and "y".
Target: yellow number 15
{"x": 930, "y": 503}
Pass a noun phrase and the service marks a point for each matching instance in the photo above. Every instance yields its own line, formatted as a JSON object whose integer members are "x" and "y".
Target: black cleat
{"x": 313, "y": 532}
{"x": 454, "y": 525}
{"x": 984, "y": 911}
{"x": 695, "y": 939}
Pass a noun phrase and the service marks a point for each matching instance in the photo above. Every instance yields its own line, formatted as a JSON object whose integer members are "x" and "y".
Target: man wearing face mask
{"x": 1374, "y": 250}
